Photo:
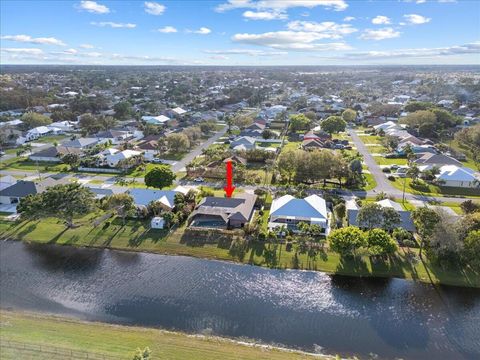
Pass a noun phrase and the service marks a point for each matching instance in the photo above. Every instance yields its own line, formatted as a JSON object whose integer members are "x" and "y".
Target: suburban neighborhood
{"x": 311, "y": 164}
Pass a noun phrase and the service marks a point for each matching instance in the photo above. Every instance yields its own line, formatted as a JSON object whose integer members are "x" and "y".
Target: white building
{"x": 114, "y": 159}
{"x": 289, "y": 211}
{"x": 452, "y": 175}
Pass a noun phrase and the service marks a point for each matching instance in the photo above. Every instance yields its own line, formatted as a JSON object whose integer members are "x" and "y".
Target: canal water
{"x": 312, "y": 311}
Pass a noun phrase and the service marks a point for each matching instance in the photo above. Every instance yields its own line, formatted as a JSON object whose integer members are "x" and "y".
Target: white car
{"x": 198, "y": 179}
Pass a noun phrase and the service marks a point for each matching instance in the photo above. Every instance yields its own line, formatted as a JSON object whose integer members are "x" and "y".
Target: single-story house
{"x": 406, "y": 221}
{"x": 223, "y": 213}
{"x": 22, "y": 188}
{"x": 38, "y": 132}
{"x": 63, "y": 125}
{"x": 114, "y": 136}
{"x": 437, "y": 159}
{"x": 114, "y": 159}
{"x": 7, "y": 181}
{"x": 81, "y": 143}
{"x": 452, "y": 175}
{"x": 143, "y": 197}
{"x": 245, "y": 142}
{"x": 54, "y": 153}
{"x": 149, "y": 149}
{"x": 156, "y": 120}
{"x": 289, "y": 211}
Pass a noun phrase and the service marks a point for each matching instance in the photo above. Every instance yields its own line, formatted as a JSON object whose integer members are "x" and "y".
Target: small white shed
{"x": 157, "y": 222}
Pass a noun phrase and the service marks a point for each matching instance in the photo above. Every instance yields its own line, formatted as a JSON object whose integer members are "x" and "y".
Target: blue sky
{"x": 240, "y": 32}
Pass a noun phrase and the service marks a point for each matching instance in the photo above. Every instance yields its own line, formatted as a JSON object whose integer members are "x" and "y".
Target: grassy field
{"x": 433, "y": 190}
{"x": 380, "y": 160}
{"x": 370, "y": 139}
{"x": 54, "y": 333}
{"x": 469, "y": 162}
{"x": 137, "y": 236}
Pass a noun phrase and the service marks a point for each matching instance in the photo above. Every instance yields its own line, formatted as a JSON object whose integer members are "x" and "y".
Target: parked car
{"x": 199, "y": 179}
{"x": 157, "y": 161}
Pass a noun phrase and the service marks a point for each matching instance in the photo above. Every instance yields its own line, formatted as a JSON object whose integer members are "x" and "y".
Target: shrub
{"x": 391, "y": 178}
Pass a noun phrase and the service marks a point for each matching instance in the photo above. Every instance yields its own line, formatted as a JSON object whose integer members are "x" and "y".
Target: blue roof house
{"x": 289, "y": 211}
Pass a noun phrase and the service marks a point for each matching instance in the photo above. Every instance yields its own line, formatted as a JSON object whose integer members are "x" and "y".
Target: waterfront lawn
{"x": 63, "y": 335}
{"x": 137, "y": 236}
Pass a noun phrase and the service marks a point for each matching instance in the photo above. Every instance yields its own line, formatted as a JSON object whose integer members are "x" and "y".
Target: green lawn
{"x": 380, "y": 160}
{"x": 22, "y": 163}
{"x": 136, "y": 236}
{"x": 469, "y": 162}
{"x": 433, "y": 190}
{"x": 53, "y": 333}
{"x": 370, "y": 139}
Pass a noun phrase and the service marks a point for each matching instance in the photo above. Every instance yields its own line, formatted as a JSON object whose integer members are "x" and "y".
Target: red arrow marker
{"x": 229, "y": 188}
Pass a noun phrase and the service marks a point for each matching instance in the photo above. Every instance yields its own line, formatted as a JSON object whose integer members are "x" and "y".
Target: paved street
{"x": 383, "y": 184}
{"x": 180, "y": 165}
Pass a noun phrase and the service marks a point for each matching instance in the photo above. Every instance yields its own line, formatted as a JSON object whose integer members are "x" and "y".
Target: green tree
{"x": 425, "y": 220}
{"x": 32, "y": 120}
{"x": 61, "y": 201}
{"x": 340, "y": 211}
{"x": 299, "y": 122}
{"x": 346, "y": 241}
{"x": 122, "y": 203}
{"x": 287, "y": 163}
{"x": 71, "y": 159}
{"x": 391, "y": 218}
{"x": 379, "y": 242}
{"x": 159, "y": 177}
{"x": 122, "y": 110}
{"x": 89, "y": 124}
{"x": 349, "y": 115}
{"x": 178, "y": 143}
{"x": 333, "y": 124}
{"x": 370, "y": 216}
{"x": 471, "y": 249}
{"x": 268, "y": 134}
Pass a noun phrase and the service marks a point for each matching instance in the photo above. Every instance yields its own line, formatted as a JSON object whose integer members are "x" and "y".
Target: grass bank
{"x": 136, "y": 236}
{"x": 50, "y": 334}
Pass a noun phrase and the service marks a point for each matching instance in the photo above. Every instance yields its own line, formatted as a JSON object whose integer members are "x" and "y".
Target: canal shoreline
{"x": 7, "y": 316}
{"x": 426, "y": 280}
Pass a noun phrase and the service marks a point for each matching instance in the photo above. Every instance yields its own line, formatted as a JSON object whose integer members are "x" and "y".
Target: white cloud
{"x": 249, "y": 52}
{"x": 31, "y": 40}
{"x": 167, "y": 30}
{"x": 93, "y": 7}
{"x": 28, "y": 51}
{"x": 290, "y": 40}
{"x": 219, "y": 57}
{"x": 87, "y": 46}
{"x": 70, "y": 51}
{"x": 324, "y": 30}
{"x": 203, "y": 31}
{"x": 337, "y": 5}
{"x": 471, "y": 48}
{"x": 381, "y": 20}
{"x": 416, "y": 19}
{"x": 154, "y": 8}
{"x": 264, "y": 15}
{"x": 93, "y": 54}
{"x": 380, "y": 34}
{"x": 421, "y": 1}
{"x": 113, "y": 24}
{"x": 348, "y": 18}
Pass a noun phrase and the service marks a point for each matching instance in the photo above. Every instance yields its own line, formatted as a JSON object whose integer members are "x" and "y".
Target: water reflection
{"x": 308, "y": 310}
